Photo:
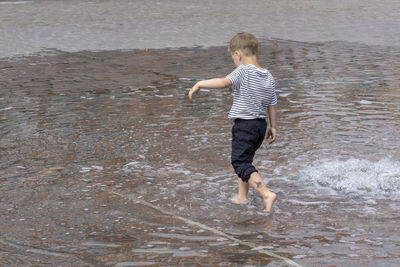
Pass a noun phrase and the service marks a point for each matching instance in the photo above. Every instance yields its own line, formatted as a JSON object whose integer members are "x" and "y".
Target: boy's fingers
{"x": 193, "y": 91}
{"x": 272, "y": 140}
{"x": 271, "y": 134}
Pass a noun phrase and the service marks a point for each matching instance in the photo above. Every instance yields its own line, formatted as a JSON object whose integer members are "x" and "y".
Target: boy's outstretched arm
{"x": 272, "y": 110}
{"x": 216, "y": 83}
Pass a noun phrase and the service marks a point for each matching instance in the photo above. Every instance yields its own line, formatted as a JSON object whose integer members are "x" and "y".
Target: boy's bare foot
{"x": 241, "y": 196}
{"x": 269, "y": 200}
{"x": 258, "y": 184}
{"x": 238, "y": 200}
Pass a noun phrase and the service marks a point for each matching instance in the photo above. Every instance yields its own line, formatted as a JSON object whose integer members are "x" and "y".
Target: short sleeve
{"x": 236, "y": 77}
{"x": 274, "y": 100}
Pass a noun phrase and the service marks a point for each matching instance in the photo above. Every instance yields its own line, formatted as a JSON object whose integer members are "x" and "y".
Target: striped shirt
{"x": 253, "y": 91}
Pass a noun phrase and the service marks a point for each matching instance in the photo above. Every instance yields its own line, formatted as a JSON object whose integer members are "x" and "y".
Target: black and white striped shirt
{"x": 253, "y": 91}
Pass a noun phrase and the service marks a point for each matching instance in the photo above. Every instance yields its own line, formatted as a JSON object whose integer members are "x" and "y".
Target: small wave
{"x": 15, "y": 2}
{"x": 365, "y": 102}
{"x": 7, "y": 108}
{"x": 355, "y": 176}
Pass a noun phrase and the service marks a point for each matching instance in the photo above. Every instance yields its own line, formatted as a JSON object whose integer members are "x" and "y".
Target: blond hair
{"x": 245, "y": 42}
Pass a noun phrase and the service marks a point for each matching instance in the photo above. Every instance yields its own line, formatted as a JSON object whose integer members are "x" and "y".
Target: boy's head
{"x": 245, "y": 42}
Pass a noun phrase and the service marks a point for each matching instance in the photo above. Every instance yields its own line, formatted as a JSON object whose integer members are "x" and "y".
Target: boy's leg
{"x": 258, "y": 184}
{"x": 245, "y": 142}
{"x": 241, "y": 147}
{"x": 242, "y": 192}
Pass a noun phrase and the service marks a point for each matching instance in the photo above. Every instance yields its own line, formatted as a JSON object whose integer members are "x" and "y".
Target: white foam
{"x": 15, "y": 2}
{"x": 7, "y": 108}
{"x": 85, "y": 169}
{"x": 285, "y": 94}
{"x": 163, "y": 96}
{"x": 98, "y": 168}
{"x": 299, "y": 202}
{"x": 93, "y": 167}
{"x": 356, "y": 176}
{"x": 365, "y": 102}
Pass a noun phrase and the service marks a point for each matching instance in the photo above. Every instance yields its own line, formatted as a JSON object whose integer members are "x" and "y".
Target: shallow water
{"x": 76, "y": 126}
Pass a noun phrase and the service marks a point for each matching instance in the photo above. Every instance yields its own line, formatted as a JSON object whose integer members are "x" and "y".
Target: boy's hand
{"x": 195, "y": 89}
{"x": 271, "y": 135}
{"x": 215, "y": 83}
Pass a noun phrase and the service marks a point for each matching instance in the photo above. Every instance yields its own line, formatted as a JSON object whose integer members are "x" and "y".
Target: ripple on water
{"x": 134, "y": 263}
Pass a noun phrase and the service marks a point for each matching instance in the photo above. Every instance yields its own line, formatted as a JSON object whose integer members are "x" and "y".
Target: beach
{"x": 104, "y": 161}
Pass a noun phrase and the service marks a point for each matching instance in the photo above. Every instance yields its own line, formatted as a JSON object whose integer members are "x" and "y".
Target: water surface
{"x": 76, "y": 126}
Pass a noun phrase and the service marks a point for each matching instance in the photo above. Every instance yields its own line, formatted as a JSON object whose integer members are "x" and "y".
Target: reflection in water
{"x": 75, "y": 126}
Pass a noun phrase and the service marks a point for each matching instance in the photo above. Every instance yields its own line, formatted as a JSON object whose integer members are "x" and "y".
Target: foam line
{"x": 205, "y": 227}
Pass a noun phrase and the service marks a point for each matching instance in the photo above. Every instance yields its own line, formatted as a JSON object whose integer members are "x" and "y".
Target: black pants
{"x": 247, "y": 137}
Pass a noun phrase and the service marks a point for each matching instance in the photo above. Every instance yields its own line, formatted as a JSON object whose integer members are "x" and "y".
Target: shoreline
{"x": 339, "y": 44}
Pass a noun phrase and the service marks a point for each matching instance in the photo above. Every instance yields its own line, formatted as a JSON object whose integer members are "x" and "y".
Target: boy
{"x": 253, "y": 93}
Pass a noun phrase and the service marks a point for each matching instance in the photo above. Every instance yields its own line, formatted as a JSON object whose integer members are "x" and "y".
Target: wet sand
{"x": 111, "y": 25}
{"x": 77, "y": 126}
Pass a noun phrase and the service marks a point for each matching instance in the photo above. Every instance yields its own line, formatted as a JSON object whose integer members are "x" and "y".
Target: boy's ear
{"x": 238, "y": 53}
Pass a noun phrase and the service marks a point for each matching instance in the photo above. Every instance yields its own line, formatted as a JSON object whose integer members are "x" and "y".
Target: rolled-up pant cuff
{"x": 247, "y": 137}
{"x": 244, "y": 172}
